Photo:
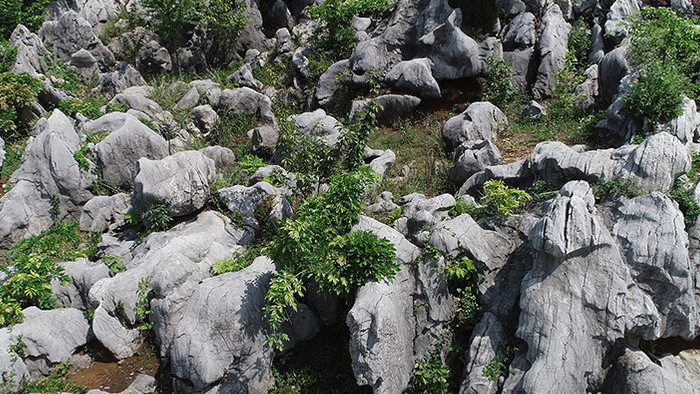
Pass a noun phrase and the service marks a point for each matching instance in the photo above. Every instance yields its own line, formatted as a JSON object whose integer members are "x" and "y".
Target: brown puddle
{"x": 114, "y": 377}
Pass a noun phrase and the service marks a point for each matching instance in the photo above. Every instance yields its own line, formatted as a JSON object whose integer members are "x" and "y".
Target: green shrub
{"x": 90, "y": 108}
{"x": 225, "y": 19}
{"x": 65, "y": 77}
{"x": 231, "y": 130}
{"x": 143, "y": 304}
{"x": 498, "y": 88}
{"x": 30, "y": 13}
{"x": 498, "y": 200}
{"x": 685, "y": 197}
{"x": 157, "y": 217}
{"x": 561, "y": 104}
{"x": 235, "y": 263}
{"x": 496, "y": 368}
{"x": 250, "y": 164}
{"x": 8, "y": 54}
{"x": 34, "y": 265}
{"x": 430, "y": 376}
{"x": 666, "y": 51}
{"x": 318, "y": 245}
{"x": 55, "y": 383}
{"x": 580, "y": 43}
{"x": 114, "y": 263}
{"x": 16, "y": 91}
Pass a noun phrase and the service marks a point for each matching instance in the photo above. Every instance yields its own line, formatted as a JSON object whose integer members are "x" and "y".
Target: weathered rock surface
{"x": 124, "y": 77}
{"x": 414, "y": 77}
{"x": 319, "y": 124}
{"x": 128, "y": 141}
{"x": 31, "y": 53}
{"x": 552, "y": 46}
{"x": 181, "y": 179}
{"x": 83, "y": 275}
{"x": 392, "y": 106}
{"x": 48, "y": 172}
{"x": 478, "y": 122}
{"x": 101, "y": 211}
{"x": 219, "y": 341}
{"x": 13, "y": 372}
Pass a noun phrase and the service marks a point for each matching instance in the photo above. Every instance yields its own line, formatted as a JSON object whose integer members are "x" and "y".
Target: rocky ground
{"x": 171, "y": 161}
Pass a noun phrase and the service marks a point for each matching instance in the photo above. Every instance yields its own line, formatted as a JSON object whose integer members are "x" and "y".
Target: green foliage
{"x": 124, "y": 22}
{"x": 685, "y": 197}
{"x": 224, "y": 19}
{"x": 81, "y": 157}
{"x": 498, "y": 88}
{"x": 148, "y": 122}
{"x": 496, "y": 368}
{"x": 666, "y": 51}
{"x": 33, "y": 262}
{"x": 231, "y": 130}
{"x": 461, "y": 207}
{"x": 65, "y": 77}
{"x": 89, "y": 107}
{"x": 55, "y": 208}
{"x": 249, "y": 164}
{"x": 498, "y": 200}
{"x": 157, "y": 217}
{"x": 580, "y": 43}
{"x": 334, "y": 39}
{"x": 561, "y": 104}
{"x": 694, "y": 166}
{"x": 276, "y": 179}
{"x": 430, "y": 376}
{"x": 30, "y": 13}
{"x": 16, "y": 92}
{"x": 235, "y": 263}
{"x": 318, "y": 245}
{"x": 284, "y": 287}
{"x": 143, "y": 304}
{"x": 114, "y": 263}
{"x": 8, "y": 54}
{"x": 55, "y": 383}
{"x": 615, "y": 187}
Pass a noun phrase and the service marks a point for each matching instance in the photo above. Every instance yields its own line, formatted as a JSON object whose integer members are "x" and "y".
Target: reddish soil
{"x": 112, "y": 376}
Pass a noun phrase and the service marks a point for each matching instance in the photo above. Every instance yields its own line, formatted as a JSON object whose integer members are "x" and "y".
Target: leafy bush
{"x": 318, "y": 245}
{"x": 249, "y": 164}
{"x": 498, "y": 199}
{"x": 114, "y": 263}
{"x": 55, "y": 383}
{"x": 89, "y": 107}
{"x": 496, "y": 368}
{"x": 580, "y": 43}
{"x": 666, "y": 51}
{"x": 223, "y": 18}
{"x": 30, "y": 13}
{"x": 8, "y": 54}
{"x": 33, "y": 262}
{"x": 237, "y": 262}
{"x": 498, "y": 88}
{"x": 430, "y": 376}
{"x": 334, "y": 39}
{"x": 561, "y": 104}
{"x": 685, "y": 197}
{"x": 157, "y": 217}
{"x": 16, "y": 91}
{"x": 143, "y": 304}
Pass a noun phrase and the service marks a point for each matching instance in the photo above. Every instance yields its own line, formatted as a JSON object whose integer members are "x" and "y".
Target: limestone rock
{"x": 552, "y": 46}
{"x": 31, "y": 53}
{"x": 181, "y": 179}
{"x": 54, "y": 334}
{"x": 478, "y": 122}
{"x": 414, "y": 77}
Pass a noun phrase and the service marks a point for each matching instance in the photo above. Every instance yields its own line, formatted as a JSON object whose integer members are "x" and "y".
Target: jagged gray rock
{"x": 84, "y": 64}
{"x": 245, "y": 101}
{"x": 204, "y": 118}
{"x": 414, "y": 77}
{"x": 70, "y": 33}
{"x": 519, "y": 33}
{"x": 54, "y": 335}
{"x": 586, "y": 93}
{"x": 615, "y": 28}
{"x": 612, "y": 68}
{"x": 381, "y": 333}
{"x": 136, "y": 98}
{"x": 83, "y": 275}
{"x": 26, "y": 209}
{"x": 31, "y": 53}
{"x": 219, "y": 340}
{"x": 634, "y": 372}
{"x": 13, "y": 372}
{"x": 119, "y": 340}
{"x": 189, "y": 100}
{"x": 128, "y": 141}
{"x": 425, "y": 212}
{"x": 154, "y": 58}
{"x": 181, "y": 179}
{"x": 685, "y": 125}
{"x": 330, "y": 84}
{"x": 244, "y": 78}
{"x": 319, "y": 124}
{"x": 224, "y": 158}
{"x": 393, "y": 106}
{"x": 478, "y": 122}
{"x": 246, "y": 199}
{"x": 454, "y": 54}
{"x": 101, "y": 211}
{"x": 552, "y": 46}
{"x": 472, "y": 157}
{"x": 125, "y": 76}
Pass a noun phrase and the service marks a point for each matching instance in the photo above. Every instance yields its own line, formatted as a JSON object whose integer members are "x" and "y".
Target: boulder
{"x": 246, "y": 101}
{"x": 279, "y": 16}
{"x": 244, "y": 78}
{"x": 136, "y": 98}
{"x": 181, "y": 179}
{"x": 685, "y": 125}
{"x": 204, "y": 118}
{"x": 117, "y": 81}
{"x": 424, "y": 212}
{"x": 612, "y": 68}
{"x": 54, "y": 335}
{"x": 174, "y": 262}
{"x": 519, "y": 33}
{"x": 128, "y": 141}
{"x": 41, "y": 189}
{"x": 13, "y": 372}
{"x": 318, "y": 124}
{"x": 31, "y": 53}
{"x": 478, "y": 122}
{"x": 189, "y": 100}
{"x": 71, "y": 33}
{"x": 523, "y": 68}
{"x": 392, "y": 106}
{"x": 84, "y": 64}
{"x": 153, "y": 59}
{"x": 454, "y": 54}
{"x": 381, "y": 333}
{"x": 220, "y": 338}
{"x": 472, "y": 157}
{"x": 552, "y": 46}
{"x": 224, "y": 159}
{"x": 634, "y": 372}
{"x": 264, "y": 139}
{"x": 101, "y": 211}
{"x": 615, "y": 27}
{"x": 330, "y": 84}
{"x": 414, "y": 77}
{"x": 83, "y": 274}
{"x": 586, "y": 94}
{"x": 245, "y": 199}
